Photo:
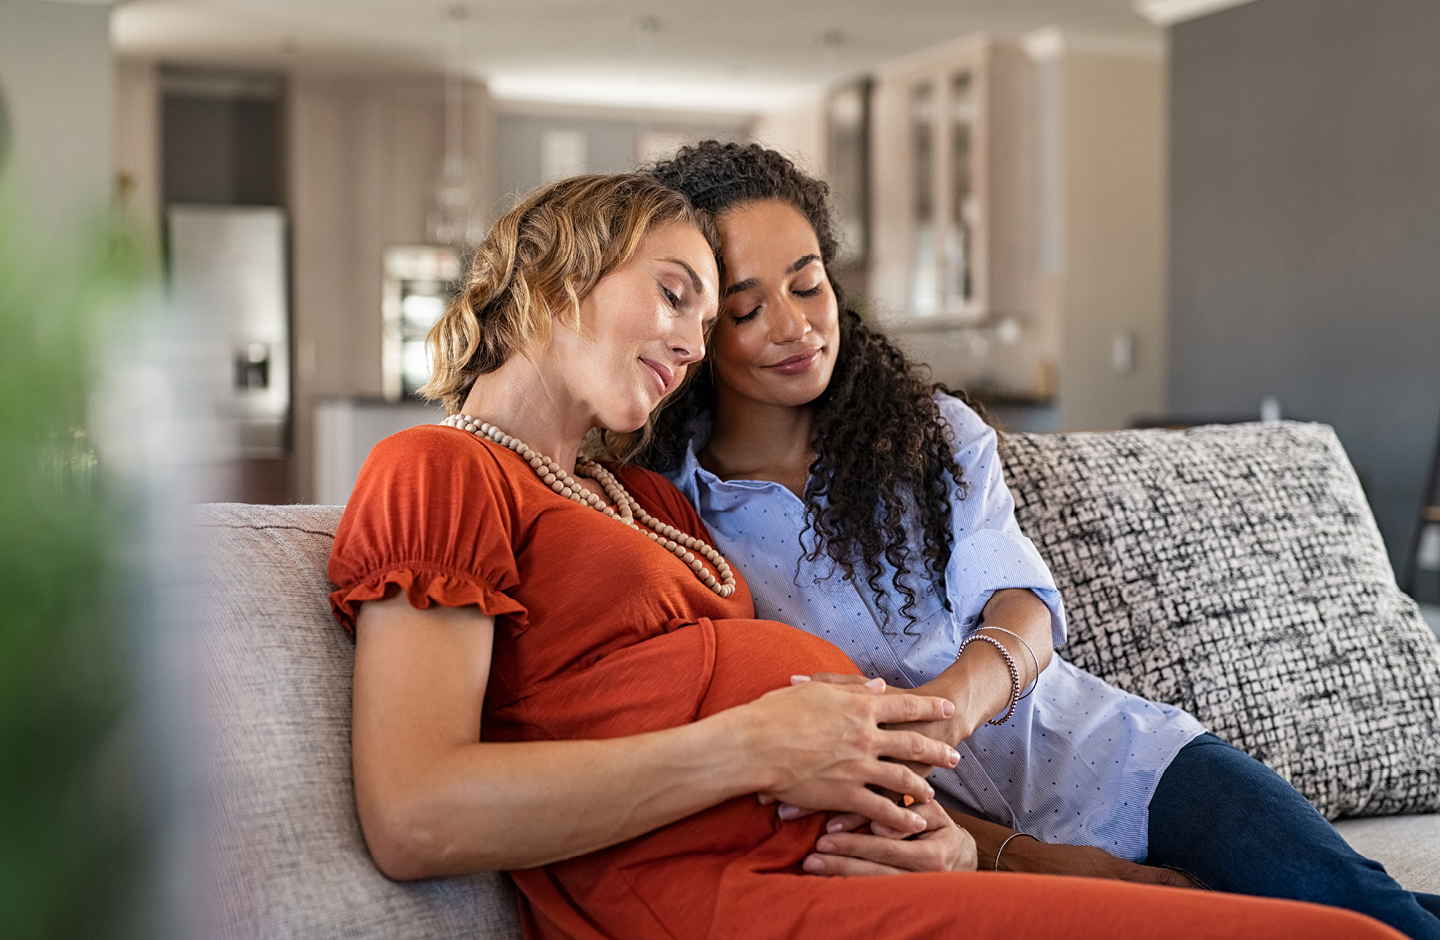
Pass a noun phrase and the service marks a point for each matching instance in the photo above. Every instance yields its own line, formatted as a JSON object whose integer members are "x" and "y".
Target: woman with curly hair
{"x": 866, "y": 506}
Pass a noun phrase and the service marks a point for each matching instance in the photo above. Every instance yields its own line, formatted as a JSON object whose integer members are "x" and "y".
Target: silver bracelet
{"x": 1033, "y": 658}
{"x": 1009, "y": 664}
{"x": 1013, "y": 835}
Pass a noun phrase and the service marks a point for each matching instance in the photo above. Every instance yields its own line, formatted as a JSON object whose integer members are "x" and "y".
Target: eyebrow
{"x": 695, "y": 282}
{"x": 750, "y": 282}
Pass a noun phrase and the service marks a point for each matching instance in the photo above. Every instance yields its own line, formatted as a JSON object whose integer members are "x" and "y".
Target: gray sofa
{"x": 285, "y": 854}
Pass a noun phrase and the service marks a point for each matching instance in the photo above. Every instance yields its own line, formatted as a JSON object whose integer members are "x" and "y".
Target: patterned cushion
{"x": 1237, "y": 572}
{"x": 286, "y": 855}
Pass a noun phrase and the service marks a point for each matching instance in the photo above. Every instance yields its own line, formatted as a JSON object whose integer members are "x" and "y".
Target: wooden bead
{"x": 625, "y": 508}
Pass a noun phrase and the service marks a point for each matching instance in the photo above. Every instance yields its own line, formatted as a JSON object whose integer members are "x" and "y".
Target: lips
{"x": 793, "y": 365}
{"x": 663, "y": 375}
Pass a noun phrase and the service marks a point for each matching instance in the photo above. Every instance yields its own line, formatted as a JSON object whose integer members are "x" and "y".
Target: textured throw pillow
{"x": 1237, "y": 572}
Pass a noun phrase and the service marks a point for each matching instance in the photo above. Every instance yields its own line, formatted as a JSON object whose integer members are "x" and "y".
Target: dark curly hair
{"x": 882, "y": 448}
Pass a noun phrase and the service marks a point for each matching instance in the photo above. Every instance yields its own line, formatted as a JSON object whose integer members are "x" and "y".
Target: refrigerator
{"x": 229, "y": 274}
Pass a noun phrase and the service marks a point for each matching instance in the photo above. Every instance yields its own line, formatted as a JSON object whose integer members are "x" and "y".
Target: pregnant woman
{"x": 556, "y": 673}
{"x": 868, "y": 509}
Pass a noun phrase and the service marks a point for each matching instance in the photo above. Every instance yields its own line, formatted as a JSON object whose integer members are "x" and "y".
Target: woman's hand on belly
{"x": 826, "y": 745}
{"x": 945, "y": 730}
{"x": 849, "y": 848}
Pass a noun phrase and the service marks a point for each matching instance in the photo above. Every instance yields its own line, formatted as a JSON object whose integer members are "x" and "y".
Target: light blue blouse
{"x": 1078, "y": 761}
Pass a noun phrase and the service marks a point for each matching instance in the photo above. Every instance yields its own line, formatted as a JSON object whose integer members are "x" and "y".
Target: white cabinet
{"x": 953, "y": 261}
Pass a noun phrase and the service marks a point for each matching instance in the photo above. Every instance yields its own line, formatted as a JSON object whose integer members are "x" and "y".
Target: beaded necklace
{"x": 626, "y": 509}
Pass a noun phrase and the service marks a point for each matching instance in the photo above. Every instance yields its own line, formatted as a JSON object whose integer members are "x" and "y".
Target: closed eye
{"x": 811, "y": 292}
{"x": 748, "y": 317}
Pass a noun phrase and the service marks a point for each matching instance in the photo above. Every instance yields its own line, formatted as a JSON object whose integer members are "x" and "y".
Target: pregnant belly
{"x": 692, "y": 670}
{"x": 753, "y": 657}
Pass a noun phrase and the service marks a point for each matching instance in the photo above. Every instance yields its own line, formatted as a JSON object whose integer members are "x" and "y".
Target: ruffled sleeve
{"x": 432, "y": 515}
{"x": 989, "y": 552}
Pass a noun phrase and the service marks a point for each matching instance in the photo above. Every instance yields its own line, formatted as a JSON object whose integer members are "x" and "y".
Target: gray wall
{"x": 56, "y": 74}
{"x": 1305, "y": 228}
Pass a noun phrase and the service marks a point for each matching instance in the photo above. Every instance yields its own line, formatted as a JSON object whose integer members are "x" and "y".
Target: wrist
{"x": 1019, "y": 853}
{"x": 951, "y": 687}
{"x": 956, "y": 685}
{"x": 742, "y": 739}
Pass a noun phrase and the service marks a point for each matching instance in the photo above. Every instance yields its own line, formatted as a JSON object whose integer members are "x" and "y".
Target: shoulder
{"x": 424, "y": 493}
{"x": 435, "y": 512}
{"x": 965, "y": 424}
{"x": 432, "y": 484}
{"x": 427, "y": 442}
{"x": 436, "y": 454}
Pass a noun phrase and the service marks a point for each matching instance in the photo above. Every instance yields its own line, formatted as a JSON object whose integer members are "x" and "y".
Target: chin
{"x": 624, "y": 424}
{"x": 799, "y": 394}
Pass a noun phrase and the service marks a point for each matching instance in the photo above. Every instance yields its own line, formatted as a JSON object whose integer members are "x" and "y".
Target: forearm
{"x": 988, "y": 836}
{"x": 979, "y": 681}
{"x": 492, "y": 806}
{"x": 434, "y": 799}
{"x": 431, "y": 808}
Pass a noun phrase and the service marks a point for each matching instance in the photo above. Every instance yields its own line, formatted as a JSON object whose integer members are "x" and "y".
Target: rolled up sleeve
{"x": 989, "y": 552}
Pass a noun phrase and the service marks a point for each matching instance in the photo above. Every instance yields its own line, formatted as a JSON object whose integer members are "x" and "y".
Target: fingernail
{"x": 917, "y": 823}
{"x": 929, "y": 793}
{"x": 788, "y": 812}
{"x": 834, "y": 825}
{"x": 825, "y": 845}
{"x": 954, "y": 756}
{"x": 796, "y": 680}
{"x": 877, "y": 684}
{"x": 948, "y": 708}
{"x": 813, "y": 864}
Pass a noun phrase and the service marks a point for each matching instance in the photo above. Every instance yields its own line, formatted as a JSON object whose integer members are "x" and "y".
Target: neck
{"x": 758, "y": 440}
{"x": 519, "y": 399}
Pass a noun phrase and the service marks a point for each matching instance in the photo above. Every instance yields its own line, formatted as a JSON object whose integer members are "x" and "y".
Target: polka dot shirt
{"x": 1078, "y": 761}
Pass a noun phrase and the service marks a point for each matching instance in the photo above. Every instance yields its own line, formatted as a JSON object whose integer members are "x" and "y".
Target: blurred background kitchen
{"x": 1091, "y": 214}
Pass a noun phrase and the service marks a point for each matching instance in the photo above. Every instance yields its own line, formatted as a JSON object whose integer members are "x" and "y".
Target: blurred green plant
{"x": 70, "y": 813}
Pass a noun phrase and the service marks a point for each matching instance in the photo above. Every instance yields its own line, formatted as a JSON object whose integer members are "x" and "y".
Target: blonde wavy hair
{"x": 536, "y": 265}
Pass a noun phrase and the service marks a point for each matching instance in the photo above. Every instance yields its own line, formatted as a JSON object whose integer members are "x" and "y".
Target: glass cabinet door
{"x": 420, "y": 281}
{"x": 925, "y": 270}
{"x": 962, "y": 221}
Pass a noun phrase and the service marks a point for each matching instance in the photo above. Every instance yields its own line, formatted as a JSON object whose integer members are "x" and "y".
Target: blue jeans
{"x": 1232, "y": 824}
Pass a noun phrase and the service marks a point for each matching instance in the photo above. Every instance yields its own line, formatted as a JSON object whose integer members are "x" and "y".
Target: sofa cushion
{"x": 1408, "y": 847}
{"x": 287, "y": 857}
{"x": 1237, "y": 572}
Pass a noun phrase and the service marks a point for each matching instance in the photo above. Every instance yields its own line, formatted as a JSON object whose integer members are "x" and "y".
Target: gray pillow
{"x": 1237, "y": 572}
{"x": 285, "y": 856}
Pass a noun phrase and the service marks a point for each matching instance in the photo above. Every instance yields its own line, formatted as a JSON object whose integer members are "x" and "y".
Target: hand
{"x": 824, "y": 746}
{"x": 1084, "y": 861}
{"x": 949, "y": 730}
{"x": 848, "y": 850}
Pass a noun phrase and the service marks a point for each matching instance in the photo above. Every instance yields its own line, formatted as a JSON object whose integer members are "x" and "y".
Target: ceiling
{"x": 721, "y": 55}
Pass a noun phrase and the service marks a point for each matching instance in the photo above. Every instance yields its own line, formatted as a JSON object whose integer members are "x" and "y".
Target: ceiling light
{"x": 1170, "y": 12}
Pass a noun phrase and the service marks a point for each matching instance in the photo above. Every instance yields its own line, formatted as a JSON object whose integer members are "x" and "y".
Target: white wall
{"x": 1112, "y": 219}
{"x": 56, "y": 73}
{"x": 798, "y": 132}
{"x": 137, "y": 144}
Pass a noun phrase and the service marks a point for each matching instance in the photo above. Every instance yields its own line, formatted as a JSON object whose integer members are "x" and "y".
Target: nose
{"x": 688, "y": 342}
{"x": 788, "y": 323}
